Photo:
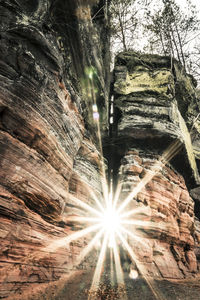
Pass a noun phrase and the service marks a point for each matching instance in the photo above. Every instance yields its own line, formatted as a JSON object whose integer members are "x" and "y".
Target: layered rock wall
{"x": 154, "y": 144}
{"x": 166, "y": 247}
{"x": 48, "y": 155}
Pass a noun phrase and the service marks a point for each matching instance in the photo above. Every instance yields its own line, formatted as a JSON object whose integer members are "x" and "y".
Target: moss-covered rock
{"x": 155, "y": 99}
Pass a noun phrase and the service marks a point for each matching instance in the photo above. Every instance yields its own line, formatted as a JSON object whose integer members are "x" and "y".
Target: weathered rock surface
{"x": 197, "y": 241}
{"x": 167, "y": 211}
{"x": 150, "y": 102}
{"x": 149, "y": 127}
{"x": 48, "y": 157}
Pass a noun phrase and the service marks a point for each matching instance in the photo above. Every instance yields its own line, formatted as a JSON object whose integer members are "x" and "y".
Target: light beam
{"x": 109, "y": 224}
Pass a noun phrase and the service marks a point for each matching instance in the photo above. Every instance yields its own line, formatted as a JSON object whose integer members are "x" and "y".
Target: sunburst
{"x": 108, "y": 221}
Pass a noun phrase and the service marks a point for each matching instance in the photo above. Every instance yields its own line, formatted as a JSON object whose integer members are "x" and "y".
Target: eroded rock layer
{"x": 48, "y": 156}
{"x": 151, "y": 102}
{"x": 166, "y": 212}
{"x": 151, "y": 131}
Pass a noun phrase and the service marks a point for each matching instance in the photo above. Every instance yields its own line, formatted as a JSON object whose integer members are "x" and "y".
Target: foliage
{"x": 159, "y": 27}
{"x": 124, "y": 22}
{"x": 172, "y": 30}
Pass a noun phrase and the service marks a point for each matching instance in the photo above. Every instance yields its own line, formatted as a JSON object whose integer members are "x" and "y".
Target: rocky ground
{"x": 76, "y": 287}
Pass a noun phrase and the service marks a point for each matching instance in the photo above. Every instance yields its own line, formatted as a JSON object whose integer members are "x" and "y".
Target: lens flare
{"x": 133, "y": 274}
{"x": 110, "y": 223}
{"x": 111, "y": 220}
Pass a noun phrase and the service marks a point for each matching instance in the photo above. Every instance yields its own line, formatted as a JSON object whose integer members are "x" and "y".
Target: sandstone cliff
{"x": 53, "y": 69}
{"x": 152, "y": 126}
{"x": 48, "y": 153}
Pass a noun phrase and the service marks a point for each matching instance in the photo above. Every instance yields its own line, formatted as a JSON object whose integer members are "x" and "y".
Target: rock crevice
{"x": 53, "y": 79}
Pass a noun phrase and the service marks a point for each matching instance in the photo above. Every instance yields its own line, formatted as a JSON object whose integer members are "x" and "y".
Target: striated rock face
{"x": 151, "y": 129}
{"x": 48, "y": 157}
{"x": 197, "y": 239}
{"x": 167, "y": 245}
{"x": 149, "y": 104}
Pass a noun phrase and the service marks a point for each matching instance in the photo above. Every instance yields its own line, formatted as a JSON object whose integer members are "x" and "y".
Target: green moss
{"x": 156, "y": 81}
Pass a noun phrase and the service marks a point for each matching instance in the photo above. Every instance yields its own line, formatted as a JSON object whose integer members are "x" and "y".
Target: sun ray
{"x": 80, "y": 219}
{"x": 140, "y": 267}
{"x": 138, "y": 210}
{"x": 84, "y": 205}
{"x": 96, "y": 115}
{"x": 110, "y": 222}
{"x": 89, "y": 247}
{"x": 89, "y": 88}
{"x": 119, "y": 272}
{"x": 136, "y": 190}
{"x": 111, "y": 267}
{"x": 91, "y": 192}
{"x": 104, "y": 181}
{"x": 99, "y": 266}
{"x": 171, "y": 151}
{"x": 104, "y": 185}
{"x": 133, "y": 236}
{"x": 96, "y": 199}
{"x": 171, "y": 154}
{"x": 117, "y": 193}
{"x": 66, "y": 240}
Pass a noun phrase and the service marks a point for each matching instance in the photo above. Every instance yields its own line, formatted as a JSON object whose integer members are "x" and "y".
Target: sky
{"x": 182, "y": 3}
{"x": 139, "y": 41}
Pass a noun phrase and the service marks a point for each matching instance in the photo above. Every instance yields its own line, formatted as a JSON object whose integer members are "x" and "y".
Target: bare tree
{"x": 172, "y": 29}
{"x": 124, "y": 21}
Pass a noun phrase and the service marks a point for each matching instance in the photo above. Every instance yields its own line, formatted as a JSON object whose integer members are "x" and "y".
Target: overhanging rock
{"x": 151, "y": 105}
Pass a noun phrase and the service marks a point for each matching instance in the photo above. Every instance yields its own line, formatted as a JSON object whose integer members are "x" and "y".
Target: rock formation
{"x": 48, "y": 155}
{"x": 155, "y": 147}
{"x": 51, "y": 75}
